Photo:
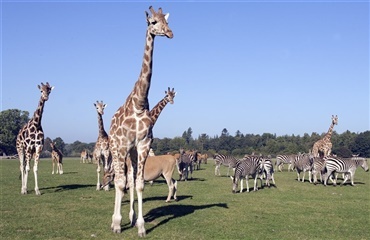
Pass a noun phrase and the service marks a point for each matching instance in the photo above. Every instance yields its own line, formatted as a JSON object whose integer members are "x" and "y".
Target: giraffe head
{"x": 52, "y": 145}
{"x": 100, "y": 107}
{"x": 334, "y": 119}
{"x": 170, "y": 95}
{"x": 157, "y": 23}
{"x": 45, "y": 90}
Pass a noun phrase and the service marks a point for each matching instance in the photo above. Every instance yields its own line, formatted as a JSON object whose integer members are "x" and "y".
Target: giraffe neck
{"x": 156, "y": 111}
{"x": 102, "y": 132}
{"x": 37, "y": 115}
{"x": 141, "y": 89}
{"x": 329, "y": 133}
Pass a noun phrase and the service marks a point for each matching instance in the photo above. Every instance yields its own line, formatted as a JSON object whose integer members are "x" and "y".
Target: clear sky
{"x": 280, "y": 67}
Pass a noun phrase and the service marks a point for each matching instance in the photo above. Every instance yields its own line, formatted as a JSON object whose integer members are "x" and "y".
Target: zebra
{"x": 225, "y": 160}
{"x": 248, "y": 166}
{"x": 317, "y": 167}
{"x": 343, "y": 165}
{"x": 284, "y": 159}
{"x": 303, "y": 163}
{"x": 268, "y": 170}
{"x": 186, "y": 161}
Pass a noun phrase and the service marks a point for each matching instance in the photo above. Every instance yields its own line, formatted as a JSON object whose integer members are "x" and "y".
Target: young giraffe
{"x": 101, "y": 150}
{"x": 322, "y": 147}
{"x": 157, "y": 109}
{"x": 84, "y": 156}
{"x": 57, "y": 158}
{"x": 30, "y": 140}
{"x": 130, "y": 133}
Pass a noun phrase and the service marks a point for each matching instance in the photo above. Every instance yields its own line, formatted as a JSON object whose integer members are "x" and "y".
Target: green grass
{"x": 70, "y": 208}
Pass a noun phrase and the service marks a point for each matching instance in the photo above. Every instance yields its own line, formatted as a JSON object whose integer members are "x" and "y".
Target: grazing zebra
{"x": 268, "y": 170}
{"x": 284, "y": 159}
{"x": 225, "y": 160}
{"x": 248, "y": 166}
{"x": 186, "y": 161}
{"x": 303, "y": 163}
{"x": 343, "y": 165}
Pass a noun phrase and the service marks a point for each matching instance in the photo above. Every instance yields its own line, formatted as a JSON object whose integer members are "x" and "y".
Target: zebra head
{"x": 235, "y": 183}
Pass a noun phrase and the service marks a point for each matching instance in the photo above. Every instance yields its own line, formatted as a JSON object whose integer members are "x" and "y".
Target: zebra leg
{"x": 304, "y": 173}
{"x": 246, "y": 181}
{"x": 241, "y": 185}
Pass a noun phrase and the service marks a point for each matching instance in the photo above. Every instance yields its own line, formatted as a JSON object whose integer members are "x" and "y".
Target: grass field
{"x": 70, "y": 208}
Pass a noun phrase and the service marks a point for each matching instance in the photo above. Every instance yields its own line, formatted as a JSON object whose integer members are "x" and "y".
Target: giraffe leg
{"x": 106, "y": 167}
{"x": 119, "y": 183}
{"x": 35, "y": 169}
{"x": 130, "y": 178}
{"x": 52, "y": 160}
{"x": 98, "y": 174}
{"x": 60, "y": 168}
{"x": 24, "y": 174}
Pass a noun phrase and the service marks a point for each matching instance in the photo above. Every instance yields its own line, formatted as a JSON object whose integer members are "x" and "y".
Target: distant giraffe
{"x": 130, "y": 133}
{"x": 30, "y": 140}
{"x": 157, "y": 109}
{"x": 57, "y": 158}
{"x": 322, "y": 147}
{"x": 101, "y": 150}
{"x": 84, "y": 156}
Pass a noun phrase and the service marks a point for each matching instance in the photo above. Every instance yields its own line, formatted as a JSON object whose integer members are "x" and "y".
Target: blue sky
{"x": 281, "y": 67}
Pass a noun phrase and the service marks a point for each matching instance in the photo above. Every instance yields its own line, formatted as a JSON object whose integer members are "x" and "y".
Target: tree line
{"x": 239, "y": 144}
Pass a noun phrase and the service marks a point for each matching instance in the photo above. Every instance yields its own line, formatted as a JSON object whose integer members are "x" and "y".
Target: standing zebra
{"x": 268, "y": 170}
{"x": 342, "y": 165}
{"x": 225, "y": 160}
{"x": 186, "y": 161}
{"x": 248, "y": 166}
{"x": 317, "y": 167}
{"x": 303, "y": 163}
{"x": 284, "y": 159}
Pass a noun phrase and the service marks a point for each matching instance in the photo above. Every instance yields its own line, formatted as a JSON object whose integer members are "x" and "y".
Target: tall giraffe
{"x": 101, "y": 151}
{"x": 322, "y": 147}
{"x": 56, "y": 158}
{"x": 130, "y": 133}
{"x": 157, "y": 109}
{"x": 30, "y": 140}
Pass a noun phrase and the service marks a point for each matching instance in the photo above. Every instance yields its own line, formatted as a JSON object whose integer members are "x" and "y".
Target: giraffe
{"x": 57, "y": 158}
{"x": 322, "y": 147}
{"x": 84, "y": 156}
{"x": 157, "y": 109}
{"x": 130, "y": 134}
{"x": 30, "y": 140}
{"x": 101, "y": 151}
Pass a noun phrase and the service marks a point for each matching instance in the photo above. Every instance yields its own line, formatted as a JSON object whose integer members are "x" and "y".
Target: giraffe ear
{"x": 105, "y": 105}
{"x": 166, "y": 16}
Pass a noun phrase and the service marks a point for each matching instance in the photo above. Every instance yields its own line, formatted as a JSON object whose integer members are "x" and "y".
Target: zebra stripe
{"x": 225, "y": 160}
{"x": 284, "y": 159}
{"x": 248, "y": 166}
{"x": 343, "y": 165}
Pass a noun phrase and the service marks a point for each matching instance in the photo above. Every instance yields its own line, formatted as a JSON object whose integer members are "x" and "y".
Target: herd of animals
{"x": 124, "y": 152}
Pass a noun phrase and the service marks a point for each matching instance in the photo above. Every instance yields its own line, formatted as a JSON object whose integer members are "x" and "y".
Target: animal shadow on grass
{"x": 68, "y": 187}
{"x": 174, "y": 211}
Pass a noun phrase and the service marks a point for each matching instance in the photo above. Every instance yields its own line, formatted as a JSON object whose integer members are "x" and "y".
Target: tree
{"x": 12, "y": 120}
{"x": 187, "y": 135}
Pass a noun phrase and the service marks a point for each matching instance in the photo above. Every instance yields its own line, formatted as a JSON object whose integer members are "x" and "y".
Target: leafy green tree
{"x": 12, "y": 120}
